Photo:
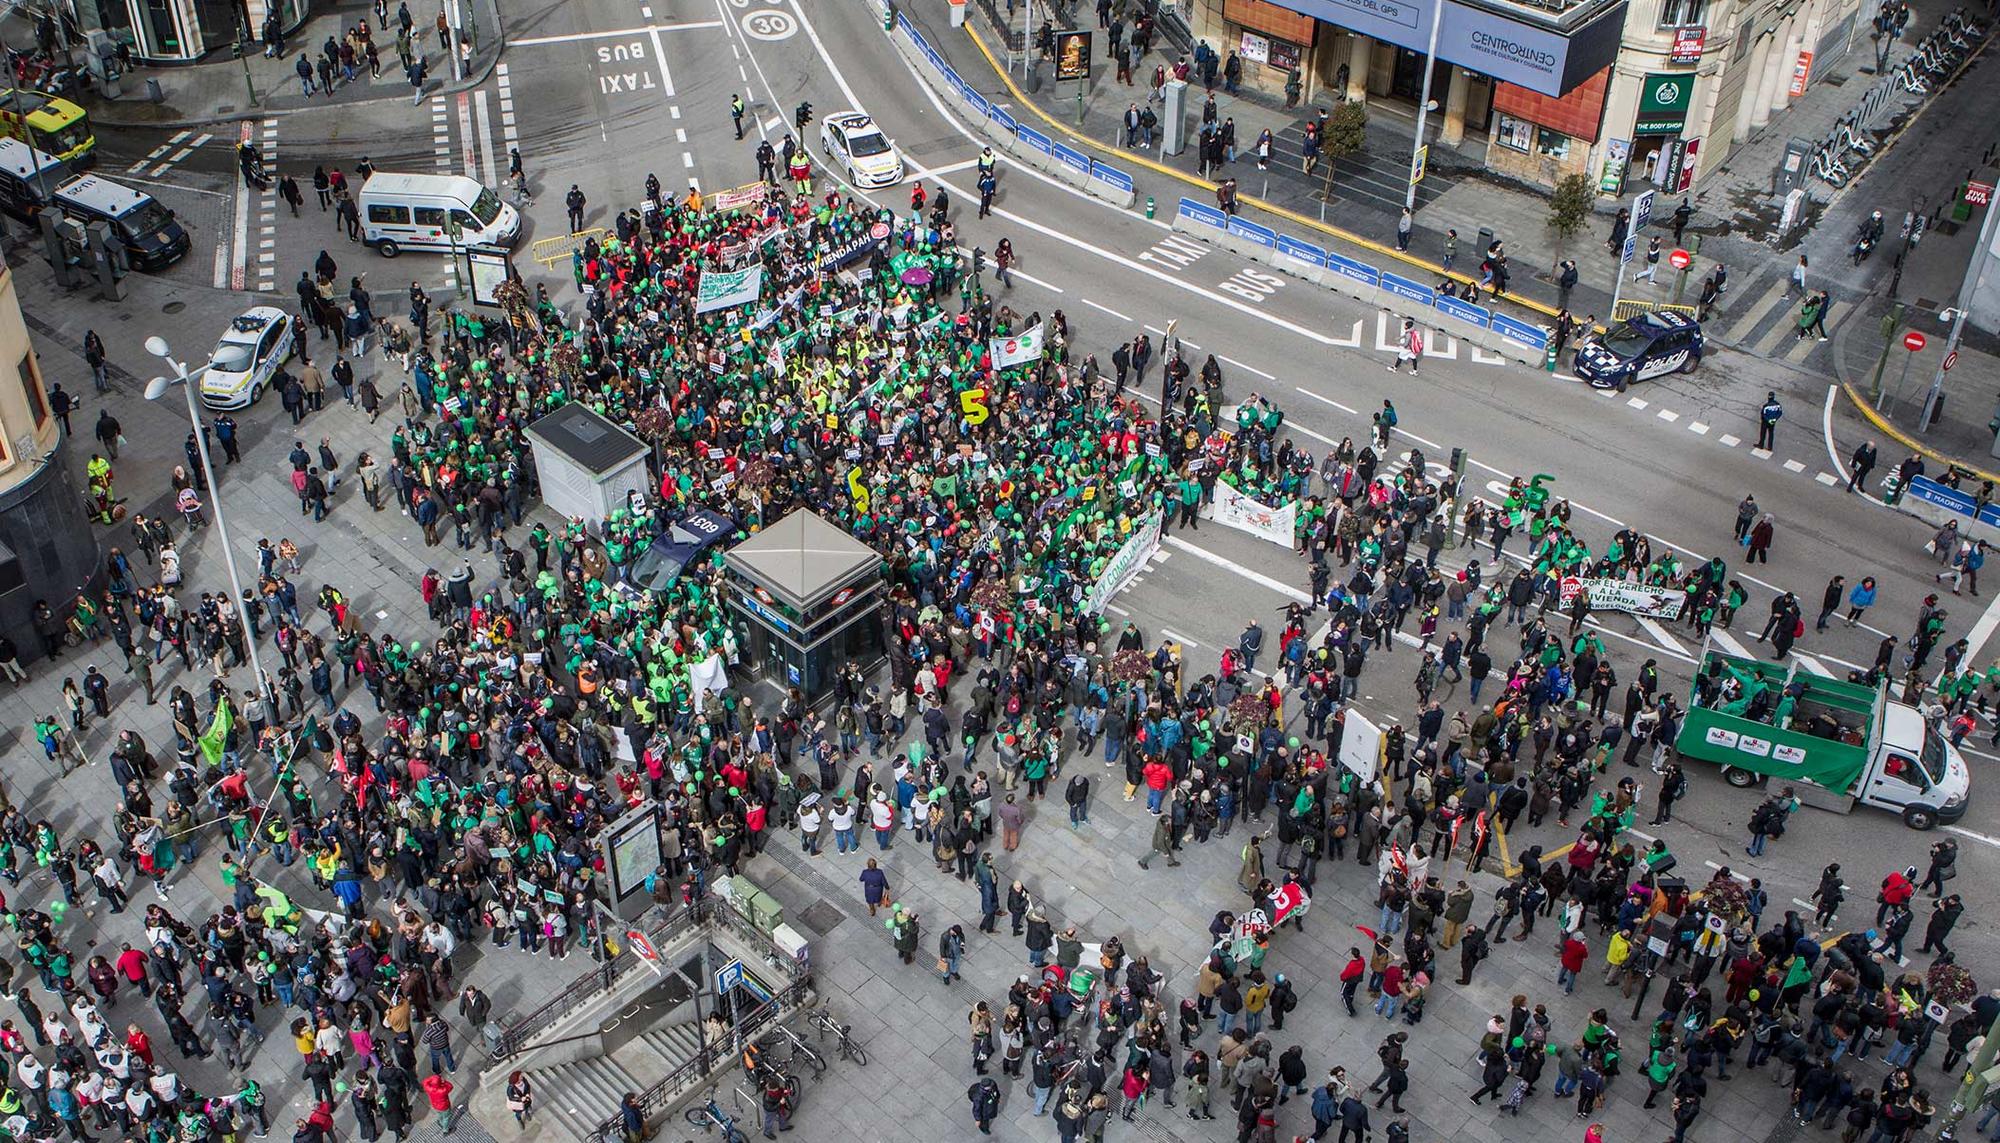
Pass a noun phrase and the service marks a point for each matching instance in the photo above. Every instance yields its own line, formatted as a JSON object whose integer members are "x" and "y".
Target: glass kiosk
{"x": 808, "y": 594}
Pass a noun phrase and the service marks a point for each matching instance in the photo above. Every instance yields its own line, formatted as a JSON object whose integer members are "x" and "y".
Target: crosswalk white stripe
{"x": 485, "y": 137}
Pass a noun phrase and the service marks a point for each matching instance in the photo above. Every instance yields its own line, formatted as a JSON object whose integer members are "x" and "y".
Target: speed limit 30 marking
{"x": 769, "y": 24}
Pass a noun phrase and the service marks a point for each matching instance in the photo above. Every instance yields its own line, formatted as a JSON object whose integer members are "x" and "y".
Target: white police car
{"x": 851, "y": 139}
{"x": 1646, "y": 345}
{"x": 247, "y": 357}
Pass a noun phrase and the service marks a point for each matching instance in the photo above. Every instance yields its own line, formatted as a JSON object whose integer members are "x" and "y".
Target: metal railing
{"x": 598, "y": 980}
{"x": 664, "y": 1094}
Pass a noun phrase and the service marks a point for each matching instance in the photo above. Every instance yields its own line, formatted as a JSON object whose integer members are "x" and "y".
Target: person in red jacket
{"x": 1350, "y": 978}
{"x": 1897, "y": 890}
{"x": 1159, "y": 776}
{"x": 1575, "y": 954}
{"x": 438, "y": 1088}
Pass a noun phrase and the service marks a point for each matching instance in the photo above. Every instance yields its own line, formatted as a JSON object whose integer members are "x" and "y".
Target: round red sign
{"x": 1913, "y": 341}
{"x": 879, "y": 231}
{"x": 1680, "y": 259}
{"x": 1950, "y": 359}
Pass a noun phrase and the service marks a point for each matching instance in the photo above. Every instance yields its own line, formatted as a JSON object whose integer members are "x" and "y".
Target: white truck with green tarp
{"x": 1835, "y": 742}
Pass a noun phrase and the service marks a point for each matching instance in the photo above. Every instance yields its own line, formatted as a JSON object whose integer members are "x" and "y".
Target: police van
{"x": 28, "y": 179}
{"x": 153, "y": 238}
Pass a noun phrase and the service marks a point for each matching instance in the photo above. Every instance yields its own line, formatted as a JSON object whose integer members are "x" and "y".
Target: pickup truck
{"x": 1835, "y": 742}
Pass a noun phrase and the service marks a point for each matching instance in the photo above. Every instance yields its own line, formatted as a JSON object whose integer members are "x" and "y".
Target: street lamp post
{"x": 1975, "y": 269}
{"x": 157, "y": 388}
{"x": 1423, "y": 106}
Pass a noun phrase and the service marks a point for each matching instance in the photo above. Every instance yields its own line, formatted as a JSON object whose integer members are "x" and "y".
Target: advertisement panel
{"x": 1072, "y": 55}
{"x": 1664, "y": 99}
{"x": 1235, "y": 510}
{"x": 1688, "y": 41}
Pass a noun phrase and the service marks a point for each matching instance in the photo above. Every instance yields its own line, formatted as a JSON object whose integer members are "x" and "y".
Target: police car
{"x": 247, "y": 358}
{"x": 1647, "y": 345}
{"x": 852, "y": 140}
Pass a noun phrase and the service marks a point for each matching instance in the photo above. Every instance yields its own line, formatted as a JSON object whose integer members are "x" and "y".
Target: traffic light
{"x": 978, "y": 261}
{"x": 804, "y": 114}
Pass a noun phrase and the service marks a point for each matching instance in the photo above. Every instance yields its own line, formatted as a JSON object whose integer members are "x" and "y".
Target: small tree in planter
{"x": 1574, "y": 198}
{"x": 1248, "y": 712}
{"x": 1131, "y": 667}
{"x": 1950, "y": 984}
{"x": 992, "y": 596}
{"x": 1726, "y": 897}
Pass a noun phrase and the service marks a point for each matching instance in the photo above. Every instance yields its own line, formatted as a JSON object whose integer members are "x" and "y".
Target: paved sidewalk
{"x": 219, "y": 87}
{"x": 1734, "y": 209}
{"x": 1961, "y": 436}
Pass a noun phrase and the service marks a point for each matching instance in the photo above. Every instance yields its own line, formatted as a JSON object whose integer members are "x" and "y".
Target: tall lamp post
{"x": 1423, "y": 107}
{"x": 157, "y": 388}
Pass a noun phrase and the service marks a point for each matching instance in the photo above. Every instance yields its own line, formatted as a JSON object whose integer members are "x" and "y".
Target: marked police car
{"x": 247, "y": 357}
{"x": 1643, "y": 346}
{"x": 851, "y": 139}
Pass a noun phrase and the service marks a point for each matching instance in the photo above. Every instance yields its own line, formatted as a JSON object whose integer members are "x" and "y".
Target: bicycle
{"x": 850, "y": 1048}
{"x": 802, "y": 1051}
{"x": 710, "y": 1116}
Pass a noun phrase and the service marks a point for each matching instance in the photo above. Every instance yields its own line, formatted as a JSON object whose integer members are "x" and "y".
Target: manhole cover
{"x": 821, "y": 917}
{"x": 173, "y": 307}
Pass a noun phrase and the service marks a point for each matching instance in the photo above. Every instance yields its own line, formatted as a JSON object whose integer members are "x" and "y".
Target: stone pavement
{"x": 1735, "y": 212}
{"x": 913, "y": 1025}
{"x": 219, "y": 87}
{"x": 375, "y": 561}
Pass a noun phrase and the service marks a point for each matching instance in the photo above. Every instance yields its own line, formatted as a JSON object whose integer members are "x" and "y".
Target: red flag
{"x": 1479, "y": 832}
{"x": 1456, "y": 822}
{"x": 1396, "y": 859}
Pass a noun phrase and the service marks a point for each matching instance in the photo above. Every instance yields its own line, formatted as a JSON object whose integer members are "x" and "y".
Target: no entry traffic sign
{"x": 1913, "y": 341}
{"x": 1950, "y": 359}
{"x": 1680, "y": 259}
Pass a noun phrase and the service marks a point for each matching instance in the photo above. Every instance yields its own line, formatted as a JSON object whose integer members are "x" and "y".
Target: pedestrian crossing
{"x": 267, "y": 211}
{"x": 1761, "y": 317}
{"x": 167, "y": 155}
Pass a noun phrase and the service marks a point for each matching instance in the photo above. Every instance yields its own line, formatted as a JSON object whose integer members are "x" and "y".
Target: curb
{"x": 1900, "y": 437}
{"x": 1204, "y": 184}
{"x": 479, "y": 76}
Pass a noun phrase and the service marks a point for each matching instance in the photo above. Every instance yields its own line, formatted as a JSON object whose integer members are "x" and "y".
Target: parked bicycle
{"x": 710, "y": 1116}
{"x": 801, "y": 1053}
{"x": 825, "y": 1024}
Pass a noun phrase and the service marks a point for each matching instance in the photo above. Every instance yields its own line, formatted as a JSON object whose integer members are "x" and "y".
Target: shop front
{"x": 1270, "y": 41}
{"x": 1658, "y": 150}
{"x": 183, "y": 31}
{"x": 1538, "y": 138}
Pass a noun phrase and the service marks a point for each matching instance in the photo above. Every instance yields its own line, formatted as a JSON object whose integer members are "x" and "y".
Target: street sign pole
{"x": 1891, "y": 321}
{"x": 1912, "y": 341}
{"x": 1642, "y": 213}
{"x": 1974, "y": 268}
{"x": 1423, "y": 111}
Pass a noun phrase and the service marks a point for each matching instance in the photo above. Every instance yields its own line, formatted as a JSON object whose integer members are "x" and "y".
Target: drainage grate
{"x": 821, "y": 917}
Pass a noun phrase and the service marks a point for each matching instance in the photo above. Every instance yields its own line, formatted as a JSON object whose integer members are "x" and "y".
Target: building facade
{"x": 48, "y": 547}
{"x": 1629, "y": 92}
{"x": 182, "y": 31}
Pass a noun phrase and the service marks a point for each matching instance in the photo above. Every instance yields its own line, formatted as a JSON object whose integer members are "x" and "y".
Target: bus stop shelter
{"x": 807, "y": 592}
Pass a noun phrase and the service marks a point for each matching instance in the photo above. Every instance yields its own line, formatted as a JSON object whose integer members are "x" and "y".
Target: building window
{"x": 1514, "y": 133}
{"x": 1678, "y": 13}
{"x": 37, "y": 401}
{"x": 1551, "y": 144}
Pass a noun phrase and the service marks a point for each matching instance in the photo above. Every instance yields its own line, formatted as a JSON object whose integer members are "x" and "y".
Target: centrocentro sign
{"x": 1547, "y": 56}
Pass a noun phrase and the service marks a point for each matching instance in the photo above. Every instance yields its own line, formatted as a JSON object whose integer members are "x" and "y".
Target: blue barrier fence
{"x": 1519, "y": 332}
{"x": 1082, "y": 164}
{"x": 1952, "y": 500}
{"x": 1206, "y": 215}
{"x": 1262, "y": 235}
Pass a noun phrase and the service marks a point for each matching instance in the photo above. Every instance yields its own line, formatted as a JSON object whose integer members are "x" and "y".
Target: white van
{"x": 409, "y": 212}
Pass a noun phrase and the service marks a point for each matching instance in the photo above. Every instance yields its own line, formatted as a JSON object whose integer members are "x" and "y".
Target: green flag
{"x": 217, "y": 735}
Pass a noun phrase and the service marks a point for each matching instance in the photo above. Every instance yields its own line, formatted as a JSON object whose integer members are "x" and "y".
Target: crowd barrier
{"x": 1406, "y": 297}
{"x": 1027, "y": 145}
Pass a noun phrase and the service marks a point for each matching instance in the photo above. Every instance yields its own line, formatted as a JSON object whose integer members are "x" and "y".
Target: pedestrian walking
{"x": 1409, "y": 347}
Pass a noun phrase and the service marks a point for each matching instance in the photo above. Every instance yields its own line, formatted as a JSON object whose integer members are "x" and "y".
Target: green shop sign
{"x": 1664, "y": 100}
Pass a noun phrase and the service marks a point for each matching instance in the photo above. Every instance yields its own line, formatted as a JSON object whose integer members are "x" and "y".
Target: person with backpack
{"x": 1673, "y": 787}
{"x": 1768, "y": 821}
